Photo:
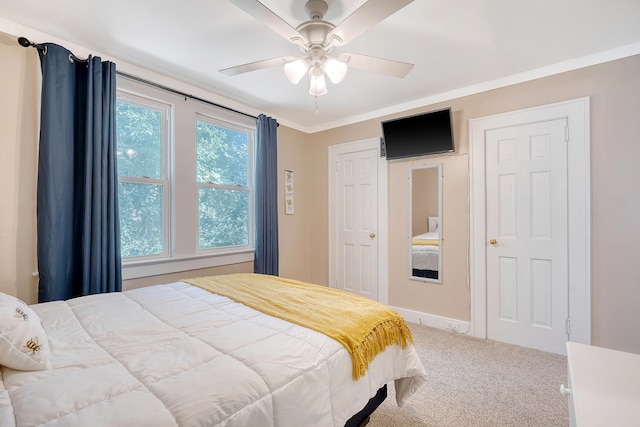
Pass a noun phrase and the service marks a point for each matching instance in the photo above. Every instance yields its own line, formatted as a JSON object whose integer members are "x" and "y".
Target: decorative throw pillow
{"x": 434, "y": 224}
{"x": 23, "y": 343}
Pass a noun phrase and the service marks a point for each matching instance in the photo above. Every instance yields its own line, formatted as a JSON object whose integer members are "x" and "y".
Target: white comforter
{"x": 178, "y": 355}
{"x": 425, "y": 257}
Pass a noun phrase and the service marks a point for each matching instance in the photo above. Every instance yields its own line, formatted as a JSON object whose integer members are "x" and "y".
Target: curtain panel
{"x": 77, "y": 198}
{"x": 266, "y": 185}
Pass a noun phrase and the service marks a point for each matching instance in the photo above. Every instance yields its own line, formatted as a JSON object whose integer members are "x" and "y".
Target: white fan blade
{"x": 376, "y": 65}
{"x": 258, "y": 65}
{"x": 264, "y": 15}
{"x": 365, "y": 17}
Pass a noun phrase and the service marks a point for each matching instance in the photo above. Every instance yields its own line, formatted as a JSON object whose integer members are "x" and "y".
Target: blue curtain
{"x": 77, "y": 211}
{"x": 266, "y": 255}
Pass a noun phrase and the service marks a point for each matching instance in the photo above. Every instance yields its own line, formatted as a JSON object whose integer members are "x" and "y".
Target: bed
{"x": 182, "y": 355}
{"x": 425, "y": 255}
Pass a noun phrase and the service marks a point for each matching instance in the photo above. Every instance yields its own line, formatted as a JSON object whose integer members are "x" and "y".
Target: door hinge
{"x": 568, "y": 327}
{"x": 566, "y": 134}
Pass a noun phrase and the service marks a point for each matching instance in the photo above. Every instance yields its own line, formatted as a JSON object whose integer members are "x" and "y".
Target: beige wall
{"x": 296, "y": 255}
{"x": 19, "y": 115}
{"x": 614, "y": 89}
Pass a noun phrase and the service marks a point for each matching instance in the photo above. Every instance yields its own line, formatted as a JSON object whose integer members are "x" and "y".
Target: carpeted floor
{"x": 473, "y": 382}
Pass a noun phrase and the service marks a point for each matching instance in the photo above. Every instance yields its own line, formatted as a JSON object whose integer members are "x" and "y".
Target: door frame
{"x": 381, "y": 232}
{"x": 577, "y": 113}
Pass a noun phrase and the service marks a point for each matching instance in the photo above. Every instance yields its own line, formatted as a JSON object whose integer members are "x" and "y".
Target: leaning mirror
{"x": 425, "y": 223}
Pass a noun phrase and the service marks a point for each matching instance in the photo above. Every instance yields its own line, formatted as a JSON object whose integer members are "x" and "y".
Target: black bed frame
{"x": 361, "y": 419}
{"x": 427, "y": 274}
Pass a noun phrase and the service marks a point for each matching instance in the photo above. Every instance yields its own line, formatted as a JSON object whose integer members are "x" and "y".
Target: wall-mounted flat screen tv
{"x": 419, "y": 135}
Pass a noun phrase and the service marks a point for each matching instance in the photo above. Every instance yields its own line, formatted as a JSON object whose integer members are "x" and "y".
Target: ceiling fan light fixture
{"x": 295, "y": 70}
{"x": 317, "y": 83}
{"x": 317, "y": 38}
{"x": 335, "y": 69}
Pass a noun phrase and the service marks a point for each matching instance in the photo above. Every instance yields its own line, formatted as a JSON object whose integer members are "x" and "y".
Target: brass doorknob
{"x": 493, "y": 241}
{"x": 372, "y": 235}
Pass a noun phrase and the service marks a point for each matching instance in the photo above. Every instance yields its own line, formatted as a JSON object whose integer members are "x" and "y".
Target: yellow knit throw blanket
{"x": 365, "y": 327}
{"x": 420, "y": 241}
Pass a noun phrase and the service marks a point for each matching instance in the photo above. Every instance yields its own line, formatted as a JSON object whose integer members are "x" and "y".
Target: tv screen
{"x": 418, "y": 135}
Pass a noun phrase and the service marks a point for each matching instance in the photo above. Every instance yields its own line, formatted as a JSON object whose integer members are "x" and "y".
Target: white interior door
{"x": 527, "y": 226}
{"x": 538, "y": 268}
{"x": 355, "y": 201}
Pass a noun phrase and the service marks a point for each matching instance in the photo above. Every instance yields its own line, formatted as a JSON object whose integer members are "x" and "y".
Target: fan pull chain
{"x": 316, "y": 98}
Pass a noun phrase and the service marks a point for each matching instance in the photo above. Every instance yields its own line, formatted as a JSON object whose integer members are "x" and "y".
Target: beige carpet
{"x": 473, "y": 382}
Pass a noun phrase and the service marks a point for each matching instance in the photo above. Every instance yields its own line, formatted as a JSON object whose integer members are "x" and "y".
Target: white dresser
{"x": 604, "y": 387}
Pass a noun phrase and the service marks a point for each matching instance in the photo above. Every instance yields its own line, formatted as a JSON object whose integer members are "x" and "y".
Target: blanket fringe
{"x": 389, "y": 332}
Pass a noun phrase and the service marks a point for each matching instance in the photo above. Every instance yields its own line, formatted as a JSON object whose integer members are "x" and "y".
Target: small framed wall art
{"x": 288, "y": 192}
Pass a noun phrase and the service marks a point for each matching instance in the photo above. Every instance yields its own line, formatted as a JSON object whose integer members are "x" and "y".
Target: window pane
{"x": 221, "y": 155}
{"x": 139, "y": 134}
{"x": 141, "y": 219}
{"x": 223, "y": 218}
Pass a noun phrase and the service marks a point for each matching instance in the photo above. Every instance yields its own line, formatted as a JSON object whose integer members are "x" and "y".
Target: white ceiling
{"x": 457, "y": 46}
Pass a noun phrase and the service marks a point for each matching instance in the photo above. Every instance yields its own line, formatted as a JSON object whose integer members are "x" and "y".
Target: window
{"x": 143, "y": 190}
{"x": 223, "y": 183}
{"x": 185, "y": 182}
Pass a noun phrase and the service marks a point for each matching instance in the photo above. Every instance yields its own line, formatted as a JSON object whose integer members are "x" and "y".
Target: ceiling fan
{"x": 317, "y": 38}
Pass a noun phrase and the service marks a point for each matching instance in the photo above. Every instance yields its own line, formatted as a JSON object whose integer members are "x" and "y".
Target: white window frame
{"x": 183, "y": 248}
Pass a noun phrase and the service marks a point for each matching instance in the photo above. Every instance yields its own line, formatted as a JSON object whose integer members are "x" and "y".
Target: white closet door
{"x": 527, "y": 229}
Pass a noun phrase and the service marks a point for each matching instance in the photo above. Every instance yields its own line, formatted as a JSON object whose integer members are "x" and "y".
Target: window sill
{"x": 155, "y": 267}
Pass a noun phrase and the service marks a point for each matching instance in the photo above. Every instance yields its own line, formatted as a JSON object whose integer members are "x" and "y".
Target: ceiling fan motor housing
{"x": 315, "y": 34}
{"x": 315, "y": 30}
{"x": 316, "y": 9}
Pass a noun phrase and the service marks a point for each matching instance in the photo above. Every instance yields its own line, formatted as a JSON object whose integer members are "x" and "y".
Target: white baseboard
{"x": 434, "y": 321}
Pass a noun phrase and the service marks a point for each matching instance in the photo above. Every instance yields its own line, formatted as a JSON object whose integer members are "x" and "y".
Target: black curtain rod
{"x": 23, "y": 41}
{"x": 183, "y": 94}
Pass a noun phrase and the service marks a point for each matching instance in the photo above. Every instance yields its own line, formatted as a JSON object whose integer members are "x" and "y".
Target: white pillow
{"x": 23, "y": 343}
{"x": 434, "y": 224}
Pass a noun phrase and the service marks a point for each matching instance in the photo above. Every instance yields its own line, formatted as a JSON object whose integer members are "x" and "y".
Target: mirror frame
{"x": 438, "y": 166}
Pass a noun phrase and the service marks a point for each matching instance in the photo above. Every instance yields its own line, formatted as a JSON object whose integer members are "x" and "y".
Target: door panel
{"x": 356, "y": 212}
{"x": 526, "y": 214}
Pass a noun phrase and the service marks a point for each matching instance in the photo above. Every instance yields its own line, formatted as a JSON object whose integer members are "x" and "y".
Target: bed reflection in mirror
{"x": 425, "y": 222}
